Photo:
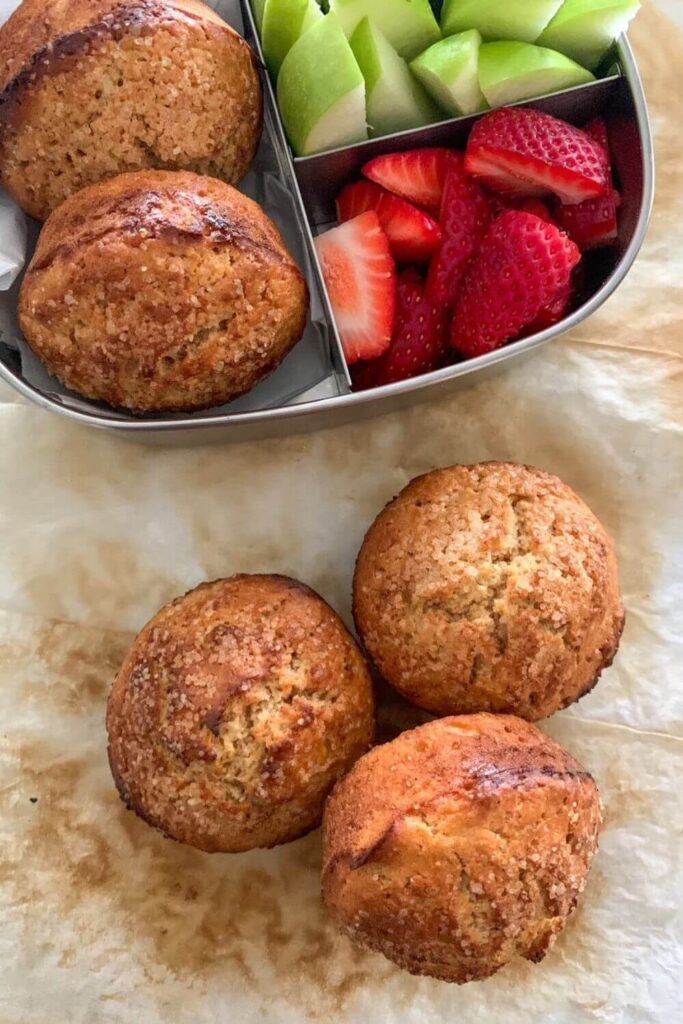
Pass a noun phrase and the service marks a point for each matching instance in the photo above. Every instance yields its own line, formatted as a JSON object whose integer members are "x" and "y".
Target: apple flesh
{"x": 509, "y": 72}
{"x": 283, "y": 22}
{"x": 585, "y": 29}
{"x": 322, "y": 111}
{"x": 520, "y": 20}
{"x": 396, "y": 101}
{"x": 449, "y": 72}
{"x": 408, "y": 25}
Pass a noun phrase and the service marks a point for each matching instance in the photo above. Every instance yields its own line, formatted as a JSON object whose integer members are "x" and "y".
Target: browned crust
{"x": 40, "y": 35}
{"x": 131, "y": 228}
{"x": 237, "y": 708}
{"x": 460, "y": 845}
{"x": 504, "y": 652}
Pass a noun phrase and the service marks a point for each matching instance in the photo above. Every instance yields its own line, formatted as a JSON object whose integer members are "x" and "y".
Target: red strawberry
{"x": 413, "y": 235}
{"x": 523, "y": 152}
{"x": 536, "y": 207}
{"x": 590, "y": 224}
{"x": 364, "y": 374}
{"x": 420, "y": 337}
{"x": 417, "y": 175}
{"x": 465, "y": 216}
{"x": 553, "y": 313}
{"x": 520, "y": 269}
{"x": 597, "y": 129}
{"x": 593, "y": 223}
{"x": 361, "y": 281}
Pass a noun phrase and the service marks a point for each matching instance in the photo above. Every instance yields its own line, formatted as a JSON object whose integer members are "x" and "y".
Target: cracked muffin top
{"x": 93, "y": 88}
{"x": 237, "y": 708}
{"x": 161, "y": 291}
{"x": 490, "y": 587}
{"x": 460, "y": 845}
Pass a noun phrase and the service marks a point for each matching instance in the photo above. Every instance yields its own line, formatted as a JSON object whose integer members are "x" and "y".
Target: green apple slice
{"x": 396, "y": 101}
{"x": 521, "y": 20}
{"x": 321, "y": 91}
{"x": 509, "y": 72}
{"x": 449, "y": 72}
{"x": 257, "y": 7}
{"x": 283, "y": 22}
{"x": 585, "y": 29}
{"x": 409, "y": 25}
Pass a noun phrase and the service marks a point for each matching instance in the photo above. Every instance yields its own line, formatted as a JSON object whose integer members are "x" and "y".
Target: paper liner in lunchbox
{"x": 306, "y": 373}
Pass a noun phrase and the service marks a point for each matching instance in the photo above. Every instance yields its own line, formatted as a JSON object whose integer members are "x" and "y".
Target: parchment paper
{"x": 104, "y": 922}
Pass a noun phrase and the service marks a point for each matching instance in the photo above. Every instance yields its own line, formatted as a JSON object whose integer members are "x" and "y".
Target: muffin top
{"x": 459, "y": 845}
{"x": 162, "y": 290}
{"x": 490, "y": 587}
{"x": 235, "y": 711}
{"x": 93, "y": 88}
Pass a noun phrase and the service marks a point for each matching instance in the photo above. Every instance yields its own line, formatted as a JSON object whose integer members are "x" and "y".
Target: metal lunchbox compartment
{"x": 316, "y": 392}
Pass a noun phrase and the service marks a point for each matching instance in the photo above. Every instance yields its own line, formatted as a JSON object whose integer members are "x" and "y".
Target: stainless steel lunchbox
{"x": 310, "y": 186}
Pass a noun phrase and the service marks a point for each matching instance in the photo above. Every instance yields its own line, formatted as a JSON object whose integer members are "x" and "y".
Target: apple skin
{"x": 449, "y": 72}
{"x": 519, "y": 20}
{"x": 283, "y": 22}
{"x": 408, "y": 25}
{"x": 322, "y": 112}
{"x": 585, "y": 29}
{"x": 396, "y": 101}
{"x": 510, "y": 72}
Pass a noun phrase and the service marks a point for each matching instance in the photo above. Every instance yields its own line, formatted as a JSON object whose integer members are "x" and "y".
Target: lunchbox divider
{"x": 286, "y": 163}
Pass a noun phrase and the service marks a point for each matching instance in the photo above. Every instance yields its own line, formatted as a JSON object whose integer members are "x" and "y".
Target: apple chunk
{"x": 322, "y": 111}
{"x": 509, "y": 72}
{"x": 409, "y": 25}
{"x": 449, "y": 72}
{"x": 520, "y": 20}
{"x": 585, "y": 29}
{"x": 396, "y": 101}
{"x": 283, "y": 22}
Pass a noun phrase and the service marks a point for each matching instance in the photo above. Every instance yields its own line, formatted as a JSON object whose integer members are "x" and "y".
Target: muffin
{"x": 460, "y": 845}
{"x": 235, "y": 711}
{"x": 92, "y": 88}
{"x": 489, "y": 588}
{"x": 161, "y": 291}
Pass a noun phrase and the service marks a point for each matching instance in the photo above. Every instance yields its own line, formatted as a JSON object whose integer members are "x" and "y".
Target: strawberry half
{"x": 466, "y": 213}
{"x": 593, "y": 223}
{"x": 417, "y": 175}
{"x": 413, "y": 235}
{"x": 523, "y": 152}
{"x": 360, "y": 275}
{"x": 521, "y": 267}
{"x": 420, "y": 340}
{"x": 553, "y": 313}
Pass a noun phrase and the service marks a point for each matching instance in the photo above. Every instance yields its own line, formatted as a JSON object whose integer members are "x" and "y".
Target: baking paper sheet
{"x": 104, "y": 922}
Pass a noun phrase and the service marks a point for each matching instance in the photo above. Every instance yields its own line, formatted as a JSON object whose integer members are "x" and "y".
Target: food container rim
{"x": 356, "y": 400}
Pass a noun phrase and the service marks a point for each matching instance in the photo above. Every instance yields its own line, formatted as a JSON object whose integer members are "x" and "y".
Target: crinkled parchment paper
{"x": 101, "y": 920}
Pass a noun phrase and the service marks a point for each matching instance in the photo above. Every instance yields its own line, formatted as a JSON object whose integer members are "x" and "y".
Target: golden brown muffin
{"x": 460, "y": 845}
{"x": 92, "y": 88}
{"x": 489, "y": 588}
{"x": 161, "y": 290}
{"x": 235, "y": 711}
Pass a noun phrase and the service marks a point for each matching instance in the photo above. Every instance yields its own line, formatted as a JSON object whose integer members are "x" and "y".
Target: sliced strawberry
{"x": 554, "y": 312}
{"x": 522, "y": 265}
{"x": 536, "y": 207}
{"x": 361, "y": 281}
{"x": 593, "y": 223}
{"x": 413, "y": 235}
{"x": 364, "y": 374}
{"x": 597, "y": 129}
{"x": 466, "y": 213}
{"x": 420, "y": 340}
{"x": 523, "y": 152}
{"x": 417, "y": 175}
